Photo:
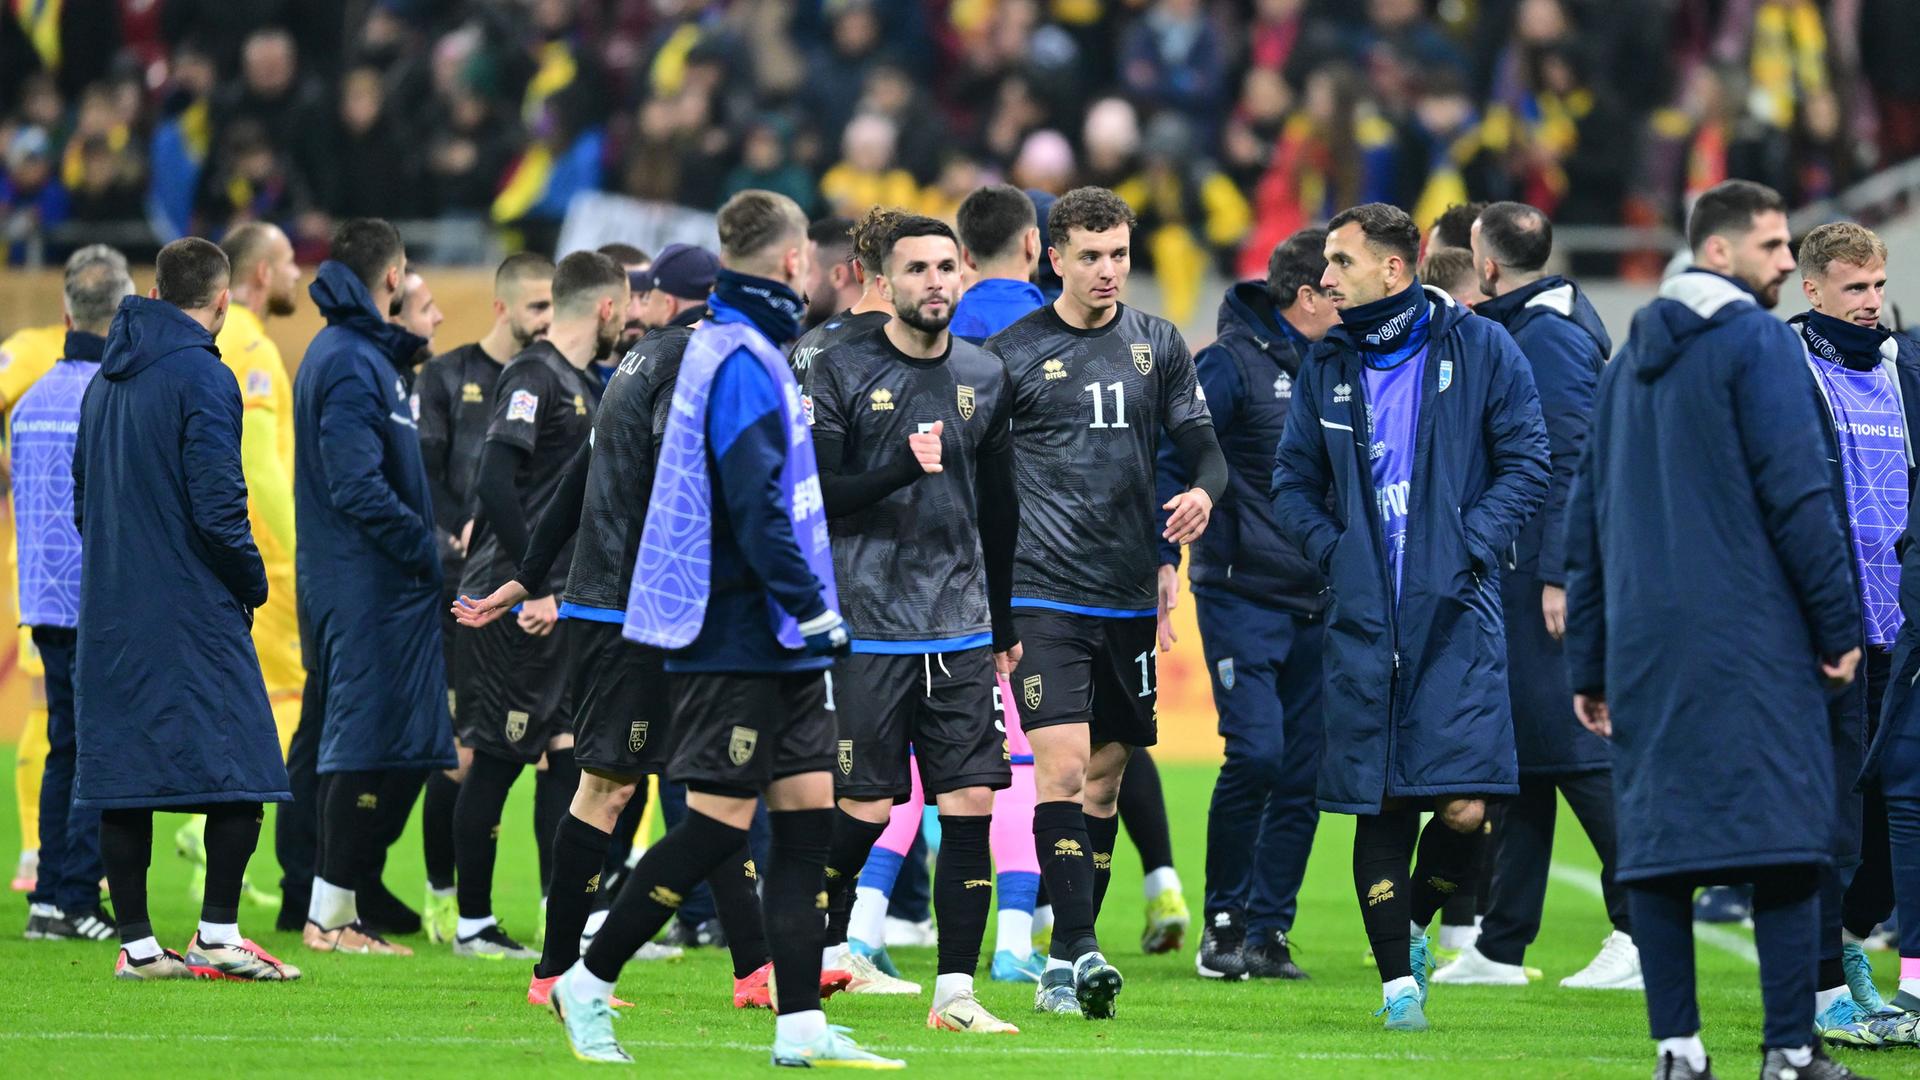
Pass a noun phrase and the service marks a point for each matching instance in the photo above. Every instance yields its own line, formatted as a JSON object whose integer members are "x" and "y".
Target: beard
{"x": 280, "y": 306}
{"x": 630, "y": 335}
{"x": 523, "y": 337}
{"x": 609, "y": 336}
{"x": 917, "y": 318}
{"x": 819, "y": 308}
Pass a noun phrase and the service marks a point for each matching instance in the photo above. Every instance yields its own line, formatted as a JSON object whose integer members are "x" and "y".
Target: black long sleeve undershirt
{"x": 559, "y": 520}
{"x": 499, "y": 496}
{"x": 999, "y": 503}
{"x": 845, "y": 494}
{"x": 1199, "y": 449}
{"x": 448, "y": 510}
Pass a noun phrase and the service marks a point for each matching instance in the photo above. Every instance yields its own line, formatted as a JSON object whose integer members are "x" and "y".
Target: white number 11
{"x": 1099, "y": 404}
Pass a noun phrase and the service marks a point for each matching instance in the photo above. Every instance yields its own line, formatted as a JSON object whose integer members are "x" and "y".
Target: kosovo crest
{"x": 1225, "y": 668}
{"x": 846, "y": 757}
{"x": 1030, "y": 691}
{"x": 637, "y": 737}
{"x": 1143, "y": 358}
{"x": 516, "y": 725}
{"x": 740, "y": 746}
{"x": 966, "y": 402}
{"x": 1446, "y": 376}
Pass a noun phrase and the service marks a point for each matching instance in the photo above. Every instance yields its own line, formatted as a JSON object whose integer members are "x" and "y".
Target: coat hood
{"x": 1553, "y": 294}
{"x": 1248, "y": 310}
{"x": 345, "y": 302}
{"x": 1445, "y": 313}
{"x": 1690, "y": 303}
{"x": 144, "y": 331}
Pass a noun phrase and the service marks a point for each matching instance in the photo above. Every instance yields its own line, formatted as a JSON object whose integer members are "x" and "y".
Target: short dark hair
{"x": 755, "y": 220}
{"x": 624, "y": 254}
{"x": 1094, "y": 209}
{"x": 1300, "y": 259}
{"x": 1728, "y": 209}
{"x": 993, "y": 219}
{"x": 584, "y": 276}
{"x": 1447, "y": 268}
{"x": 833, "y": 232}
{"x": 367, "y": 246}
{"x": 870, "y": 237}
{"x": 522, "y": 265}
{"x": 1383, "y": 225}
{"x": 1455, "y": 224}
{"x": 910, "y": 225}
{"x": 1516, "y": 235}
{"x": 190, "y": 272}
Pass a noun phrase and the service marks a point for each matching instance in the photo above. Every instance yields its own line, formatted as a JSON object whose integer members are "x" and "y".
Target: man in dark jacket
{"x": 171, "y": 709}
{"x": 1566, "y": 346}
{"x": 1708, "y": 592}
{"x": 1413, "y": 453}
{"x": 1259, "y": 604}
{"x": 368, "y": 569}
{"x": 1869, "y": 384}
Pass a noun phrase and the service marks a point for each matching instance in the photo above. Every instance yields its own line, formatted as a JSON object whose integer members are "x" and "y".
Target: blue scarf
{"x": 772, "y": 307}
{"x": 1838, "y": 341}
{"x": 1391, "y": 330}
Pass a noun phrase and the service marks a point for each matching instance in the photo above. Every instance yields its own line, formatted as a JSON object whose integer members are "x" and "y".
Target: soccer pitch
{"x": 64, "y": 1015}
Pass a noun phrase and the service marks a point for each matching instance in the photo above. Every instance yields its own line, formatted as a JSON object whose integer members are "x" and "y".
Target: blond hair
{"x": 1840, "y": 241}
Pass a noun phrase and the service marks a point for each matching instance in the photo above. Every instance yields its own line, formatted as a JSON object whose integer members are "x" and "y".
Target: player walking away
{"x": 455, "y": 391}
{"x": 1260, "y": 605}
{"x": 872, "y": 309}
{"x": 171, "y": 711}
{"x": 735, "y": 573}
{"x": 1705, "y": 487}
{"x": 513, "y": 690}
{"x": 369, "y": 574}
{"x": 835, "y": 284}
{"x": 1418, "y": 423}
{"x": 1094, "y": 384}
{"x": 1566, "y": 346}
{"x": 922, "y": 674}
{"x": 1000, "y": 241}
{"x": 1868, "y": 379}
{"x": 65, "y": 901}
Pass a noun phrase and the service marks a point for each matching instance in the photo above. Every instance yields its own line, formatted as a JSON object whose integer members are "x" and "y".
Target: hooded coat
{"x": 1707, "y": 573}
{"x": 1416, "y": 691}
{"x": 170, "y": 706}
{"x": 368, "y": 564}
{"x": 1566, "y": 345}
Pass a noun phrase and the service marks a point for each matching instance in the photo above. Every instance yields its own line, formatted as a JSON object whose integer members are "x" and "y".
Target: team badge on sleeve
{"x": 259, "y": 384}
{"x": 1446, "y": 376}
{"x": 1225, "y": 668}
{"x": 1143, "y": 358}
{"x": 523, "y": 405}
{"x": 966, "y": 402}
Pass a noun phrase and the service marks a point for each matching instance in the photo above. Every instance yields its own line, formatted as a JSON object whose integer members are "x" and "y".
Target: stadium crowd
{"x": 1226, "y": 124}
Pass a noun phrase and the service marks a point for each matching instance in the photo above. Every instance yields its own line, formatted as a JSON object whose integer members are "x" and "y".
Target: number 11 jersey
{"x": 1089, "y": 409}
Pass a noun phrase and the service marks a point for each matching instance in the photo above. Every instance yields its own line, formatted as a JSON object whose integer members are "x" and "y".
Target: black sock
{"x": 963, "y": 890}
{"x": 1060, "y": 840}
{"x": 1832, "y": 973}
{"x": 476, "y": 831}
{"x": 436, "y": 828}
{"x": 578, "y": 850}
{"x": 126, "y": 847}
{"x": 620, "y": 844}
{"x": 737, "y": 900}
{"x": 1143, "y": 809}
{"x": 653, "y": 892}
{"x": 233, "y": 831}
{"x": 1103, "y": 834}
{"x": 553, "y": 791}
{"x": 853, "y": 841}
{"x": 1443, "y": 866}
{"x": 1471, "y": 901}
{"x": 1382, "y": 847}
{"x": 795, "y": 930}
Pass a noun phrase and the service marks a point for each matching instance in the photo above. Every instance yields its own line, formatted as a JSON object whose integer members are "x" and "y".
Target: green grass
{"x": 63, "y": 1015}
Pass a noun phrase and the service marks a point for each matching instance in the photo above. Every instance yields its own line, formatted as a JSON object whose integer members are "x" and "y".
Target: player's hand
{"x": 1593, "y": 714}
{"x": 1169, "y": 599}
{"x": 1553, "y": 606}
{"x": 466, "y": 538}
{"x": 826, "y": 635}
{"x": 537, "y": 617}
{"x": 1005, "y": 662}
{"x": 926, "y": 447}
{"x": 477, "y": 613}
{"x": 1188, "y": 518}
{"x": 1839, "y": 672}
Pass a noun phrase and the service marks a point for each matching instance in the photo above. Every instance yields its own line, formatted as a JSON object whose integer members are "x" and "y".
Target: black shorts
{"x": 1087, "y": 669}
{"x": 941, "y": 704}
{"x": 737, "y": 732}
{"x": 620, "y": 703}
{"x": 450, "y": 652}
{"x": 513, "y": 690}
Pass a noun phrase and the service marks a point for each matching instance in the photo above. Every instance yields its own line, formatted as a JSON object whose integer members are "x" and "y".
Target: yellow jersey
{"x": 24, "y": 357}
{"x": 266, "y": 459}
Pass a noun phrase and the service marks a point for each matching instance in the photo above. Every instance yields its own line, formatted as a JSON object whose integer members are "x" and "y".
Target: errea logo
{"x": 881, "y": 400}
{"x": 1283, "y": 386}
{"x": 1055, "y": 369}
{"x": 1342, "y": 393}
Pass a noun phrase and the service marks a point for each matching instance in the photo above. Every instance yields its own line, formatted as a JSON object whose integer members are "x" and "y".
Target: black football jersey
{"x": 909, "y": 567}
{"x": 1089, "y": 408}
{"x": 627, "y": 429}
{"x": 836, "y": 331}
{"x": 542, "y": 405}
{"x": 455, "y": 406}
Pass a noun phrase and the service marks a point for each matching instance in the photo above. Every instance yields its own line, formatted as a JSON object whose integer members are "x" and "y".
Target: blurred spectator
{"x": 31, "y": 197}
{"x": 766, "y": 162}
{"x": 867, "y": 176}
{"x": 248, "y": 181}
{"x": 1889, "y": 41}
{"x": 1045, "y": 163}
{"x": 1173, "y": 57}
{"x": 1190, "y": 214}
{"x": 371, "y": 171}
{"x": 184, "y": 137}
{"x": 837, "y": 72}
